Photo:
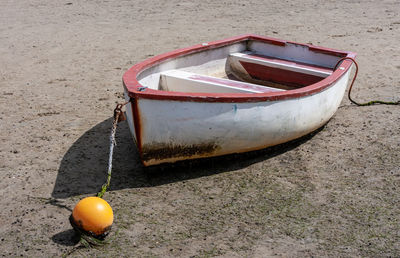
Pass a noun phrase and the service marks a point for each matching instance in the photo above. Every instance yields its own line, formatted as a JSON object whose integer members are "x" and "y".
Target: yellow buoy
{"x": 93, "y": 214}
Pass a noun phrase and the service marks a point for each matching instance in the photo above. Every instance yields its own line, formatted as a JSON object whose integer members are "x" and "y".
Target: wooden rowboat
{"x": 231, "y": 96}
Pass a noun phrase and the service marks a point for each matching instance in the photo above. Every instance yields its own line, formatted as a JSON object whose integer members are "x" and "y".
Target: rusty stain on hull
{"x": 160, "y": 151}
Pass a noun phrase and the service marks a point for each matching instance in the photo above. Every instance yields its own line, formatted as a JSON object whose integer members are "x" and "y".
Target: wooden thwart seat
{"x": 182, "y": 81}
{"x": 272, "y": 69}
{"x": 282, "y": 64}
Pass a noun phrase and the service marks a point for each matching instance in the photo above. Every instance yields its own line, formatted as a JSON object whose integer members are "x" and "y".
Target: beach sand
{"x": 335, "y": 192}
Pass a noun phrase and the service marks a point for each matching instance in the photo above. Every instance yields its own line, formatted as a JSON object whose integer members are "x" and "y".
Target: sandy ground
{"x": 332, "y": 193}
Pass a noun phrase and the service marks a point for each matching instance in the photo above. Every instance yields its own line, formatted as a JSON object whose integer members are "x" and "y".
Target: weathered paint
{"x": 235, "y": 84}
{"x": 154, "y": 152}
{"x": 277, "y": 75}
{"x": 328, "y": 57}
{"x": 177, "y": 80}
{"x": 172, "y": 126}
{"x": 282, "y": 64}
{"x": 232, "y": 128}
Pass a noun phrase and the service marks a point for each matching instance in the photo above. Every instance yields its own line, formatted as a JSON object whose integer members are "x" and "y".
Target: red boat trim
{"x": 137, "y": 124}
{"x": 282, "y": 61}
{"x": 272, "y": 41}
{"x": 327, "y": 51}
{"x": 132, "y": 85}
{"x": 278, "y": 75}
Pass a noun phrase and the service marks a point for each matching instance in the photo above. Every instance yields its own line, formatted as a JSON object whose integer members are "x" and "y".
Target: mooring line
{"x": 86, "y": 239}
{"x": 373, "y": 102}
{"x": 118, "y": 117}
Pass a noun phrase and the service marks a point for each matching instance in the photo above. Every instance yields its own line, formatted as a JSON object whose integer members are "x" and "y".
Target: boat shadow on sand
{"x": 83, "y": 169}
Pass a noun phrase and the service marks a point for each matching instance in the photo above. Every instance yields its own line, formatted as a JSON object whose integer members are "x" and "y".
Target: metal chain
{"x": 118, "y": 117}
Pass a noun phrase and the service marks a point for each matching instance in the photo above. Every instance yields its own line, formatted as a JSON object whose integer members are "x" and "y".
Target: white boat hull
{"x": 168, "y": 129}
{"x": 175, "y": 130}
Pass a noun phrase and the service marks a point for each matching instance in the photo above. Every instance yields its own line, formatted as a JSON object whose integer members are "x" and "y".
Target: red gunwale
{"x": 132, "y": 85}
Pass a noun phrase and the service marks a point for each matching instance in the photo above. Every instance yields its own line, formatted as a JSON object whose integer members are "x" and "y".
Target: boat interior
{"x": 244, "y": 67}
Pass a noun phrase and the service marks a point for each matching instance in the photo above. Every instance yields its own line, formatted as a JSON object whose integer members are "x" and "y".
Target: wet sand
{"x": 332, "y": 193}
